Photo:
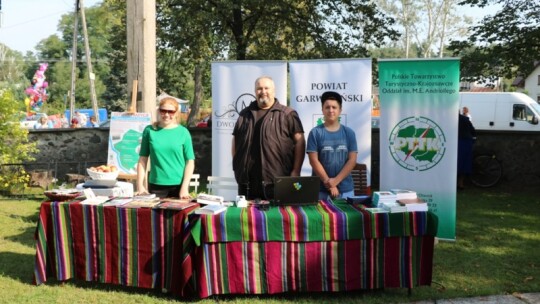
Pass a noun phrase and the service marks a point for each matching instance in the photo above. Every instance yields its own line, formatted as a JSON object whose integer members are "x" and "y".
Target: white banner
{"x": 349, "y": 77}
{"x": 233, "y": 89}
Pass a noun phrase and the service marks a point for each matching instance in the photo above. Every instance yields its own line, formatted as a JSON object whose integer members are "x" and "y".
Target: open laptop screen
{"x": 296, "y": 190}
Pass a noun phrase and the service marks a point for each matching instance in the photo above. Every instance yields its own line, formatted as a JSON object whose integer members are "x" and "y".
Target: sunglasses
{"x": 170, "y": 112}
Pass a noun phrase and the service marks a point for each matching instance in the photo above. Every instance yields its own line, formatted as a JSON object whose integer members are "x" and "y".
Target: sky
{"x": 24, "y": 23}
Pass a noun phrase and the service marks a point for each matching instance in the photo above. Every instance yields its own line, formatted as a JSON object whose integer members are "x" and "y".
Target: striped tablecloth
{"x": 144, "y": 247}
{"x": 327, "y": 247}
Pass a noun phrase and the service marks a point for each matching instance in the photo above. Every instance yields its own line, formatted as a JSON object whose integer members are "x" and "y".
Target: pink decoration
{"x": 37, "y": 91}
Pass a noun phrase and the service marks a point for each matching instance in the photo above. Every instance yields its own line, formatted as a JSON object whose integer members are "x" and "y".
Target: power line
{"x": 36, "y": 19}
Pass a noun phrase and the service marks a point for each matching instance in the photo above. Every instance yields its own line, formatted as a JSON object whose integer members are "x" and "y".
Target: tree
{"x": 14, "y": 147}
{"x": 104, "y": 22}
{"x": 505, "y": 44}
{"x": 115, "y": 96}
{"x": 406, "y": 13}
{"x": 432, "y": 23}
{"x": 12, "y": 73}
{"x": 202, "y": 31}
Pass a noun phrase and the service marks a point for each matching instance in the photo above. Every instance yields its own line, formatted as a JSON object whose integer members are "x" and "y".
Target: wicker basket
{"x": 62, "y": 195}
{"x": 102, "y": 175}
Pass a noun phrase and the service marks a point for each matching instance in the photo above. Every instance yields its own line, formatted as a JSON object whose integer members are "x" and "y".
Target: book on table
{"x": 403, "y": 193}
{"x": 92, "y": 199}
{"x": 117, "y": 201}
{"x": 376, "y": 210}
{"x": 144, "y": 197}
{"x": 96, "y": 200}
{"x": 359, "y": 199}
{"x": 380, "y": 197}
{"x": 414, "y": 204}
{"x": 209, "y": 199}
{"x": 211, "y": 209}
{"x": 144, "y": 203}
{"x": 393, "y": 207}
{"x": 175, "y": 204}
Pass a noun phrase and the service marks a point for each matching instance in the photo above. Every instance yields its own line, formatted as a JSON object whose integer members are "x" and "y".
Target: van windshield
{"x": 536, "y": 108}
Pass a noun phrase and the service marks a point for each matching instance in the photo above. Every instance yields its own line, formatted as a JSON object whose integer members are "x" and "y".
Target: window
{"x": 538, "y": 79}
{"x": 519, "y": 112}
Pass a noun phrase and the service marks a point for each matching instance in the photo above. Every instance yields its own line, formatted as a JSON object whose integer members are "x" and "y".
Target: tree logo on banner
{"x": 237, "y": 105}
{"x": 417, "y": 143}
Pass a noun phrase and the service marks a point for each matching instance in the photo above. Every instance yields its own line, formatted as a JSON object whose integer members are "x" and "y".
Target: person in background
{"x": 93, "y": 122}
{"x": 75, "y": 123}
{"x": 465, "y": 112}
{"x": 43, "y": 123}
{"x": 332, "y": 151}
{"x": 169, "y": 148}
{"x": 81, "y": 119}
{"x": 466, "y": 138}
{"x": 268, "y": 141}
{"x": 63, "y": 121}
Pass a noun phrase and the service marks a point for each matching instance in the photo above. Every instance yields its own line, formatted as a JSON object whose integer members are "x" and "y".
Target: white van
{"x": 505, "y": 111}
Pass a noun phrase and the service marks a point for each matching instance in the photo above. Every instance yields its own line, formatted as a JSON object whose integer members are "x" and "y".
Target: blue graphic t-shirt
{"x": 333, "y": 151}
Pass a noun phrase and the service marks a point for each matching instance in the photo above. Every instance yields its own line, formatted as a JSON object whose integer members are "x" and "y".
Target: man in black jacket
{"x": 466, "y": 138}
{"x": 268, "y": 141}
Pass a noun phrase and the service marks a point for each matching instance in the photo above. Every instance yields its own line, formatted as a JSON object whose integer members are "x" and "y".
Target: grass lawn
{"x": 495, "y": 252}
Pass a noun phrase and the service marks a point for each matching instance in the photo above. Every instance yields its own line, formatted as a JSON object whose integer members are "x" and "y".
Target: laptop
{"x": 296, "y": 190}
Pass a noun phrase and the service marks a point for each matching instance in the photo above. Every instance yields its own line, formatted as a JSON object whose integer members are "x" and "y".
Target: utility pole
{"x": 141, "y": 53}
{"x": 73, "y": 62}
{"x": 79, "y": 7}
{"x": 91, "y": 75}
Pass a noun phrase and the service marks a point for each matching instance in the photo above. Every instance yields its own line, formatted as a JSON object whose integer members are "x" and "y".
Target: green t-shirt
{"x": 169, "y": 150}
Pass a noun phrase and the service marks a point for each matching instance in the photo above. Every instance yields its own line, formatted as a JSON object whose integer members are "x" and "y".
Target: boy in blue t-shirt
{"x": 332, "y": 150}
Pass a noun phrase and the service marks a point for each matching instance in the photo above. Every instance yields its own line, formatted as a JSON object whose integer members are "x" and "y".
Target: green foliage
{"x": 107, "y": 42}
{"x": 14, "y": 147}
{"x": 115, "y": 97}
{"x": 283, "y": 29}
{"x": 12, "y": 76}
{"x": 505, "y": 44}
{"x": 193, "y": 33}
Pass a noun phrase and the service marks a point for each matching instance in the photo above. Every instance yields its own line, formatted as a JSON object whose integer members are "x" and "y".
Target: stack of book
{"x": 413, "y": 204}
{"x": 393, "y": 207}
{"x": 380, "y": 197}
{"x": 209, "y": 199}
{"x": 404, "y": 193}
{"x": 211, "y": 209}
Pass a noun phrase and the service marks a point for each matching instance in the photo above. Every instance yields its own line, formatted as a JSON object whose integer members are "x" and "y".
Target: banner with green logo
{"x": 419, "y": 106}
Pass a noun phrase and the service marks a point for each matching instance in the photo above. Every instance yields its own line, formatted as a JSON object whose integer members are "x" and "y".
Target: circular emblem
{"x": 417, "y": 143}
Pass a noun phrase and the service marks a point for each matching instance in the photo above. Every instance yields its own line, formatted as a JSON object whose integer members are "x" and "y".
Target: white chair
{"x": 194, "y": 182}
{"x": 220, "y": 182}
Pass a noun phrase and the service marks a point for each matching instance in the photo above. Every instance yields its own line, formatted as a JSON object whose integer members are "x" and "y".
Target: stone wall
{"x": 518, "y": 152}
{"x": 73, "y": 150}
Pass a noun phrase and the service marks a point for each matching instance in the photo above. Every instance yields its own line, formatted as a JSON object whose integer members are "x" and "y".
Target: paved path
{"x": 518, "y": 298}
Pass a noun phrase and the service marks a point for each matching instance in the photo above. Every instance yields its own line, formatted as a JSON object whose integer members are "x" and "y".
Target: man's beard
{"x": 264, "y": 101}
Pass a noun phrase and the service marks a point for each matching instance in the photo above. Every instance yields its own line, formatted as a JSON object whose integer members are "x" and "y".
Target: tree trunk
{"x": 197, "y": 96}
